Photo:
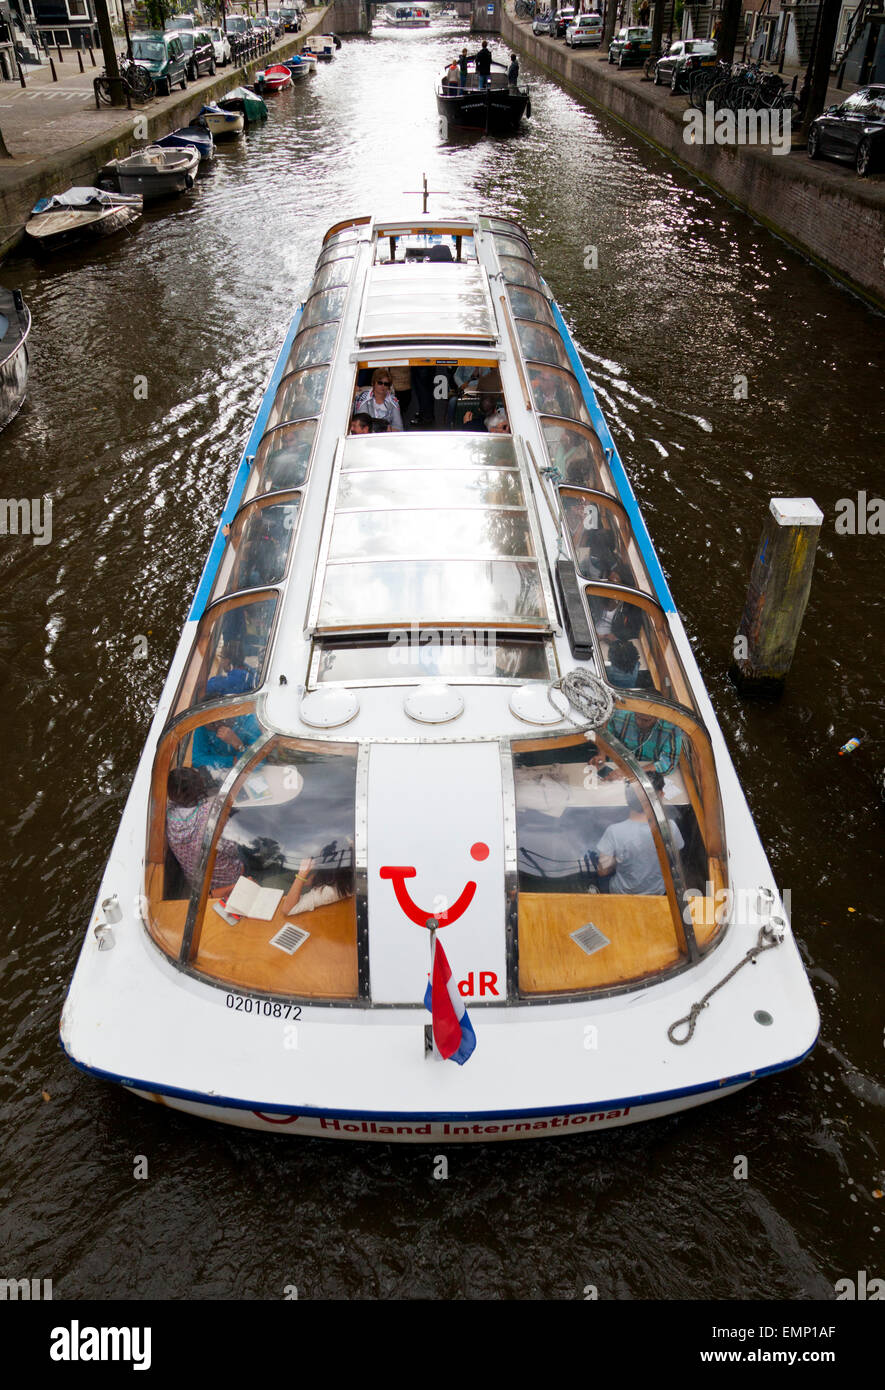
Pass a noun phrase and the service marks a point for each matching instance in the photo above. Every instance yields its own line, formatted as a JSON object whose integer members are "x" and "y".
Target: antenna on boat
{"x": 424, "y": 192}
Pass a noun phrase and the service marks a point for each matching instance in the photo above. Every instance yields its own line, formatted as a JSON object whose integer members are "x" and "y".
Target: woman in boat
{"x": 313, "y": 888}
{"x": 191, "y": 800}
{"x": 379, "y": 401}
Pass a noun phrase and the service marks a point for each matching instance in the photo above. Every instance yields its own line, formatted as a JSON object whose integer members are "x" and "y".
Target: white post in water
{"x": 777, "y": 597}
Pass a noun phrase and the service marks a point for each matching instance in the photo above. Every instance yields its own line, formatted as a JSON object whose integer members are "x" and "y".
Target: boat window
{"x": 556, "y": 392}
{"x": 299, "y": 394}
{"x": 334, "y": 253}
{"x": 258, "y": 546}
{"x": 381, "y": 593}
{"x": 578, "y": 454}
{"x": 185, "y": 788}
{"x": 512, "y": 246}
{"x": 431, "y": 487}
{"x": 503, "y": 225}
{"x": 520, "y": 272}
{"x": 351, "y": 233}
{"x": 418, "y": 245}
{"x": 636, "y": 644}
{"x": 423, "y": 451}
{"x": 602, "y": 540}
{"x": 598, "y": 908}
{"x": 320, "y": 308}
{"x": 290, "y": 820}
{"x": 228, "y": 652}
{"x": 335, "y": 273}
{"x": 313, "y": 348}
{"x": 530, "y": 304}
{"x": 282, "y": 458}
{"x": 453, "y": 654}
{"x": 404, "y": 534}
{"x": 541, "y": 344}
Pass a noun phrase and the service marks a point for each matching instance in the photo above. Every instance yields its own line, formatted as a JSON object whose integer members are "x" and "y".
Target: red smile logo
{"x": 398, "y": 873}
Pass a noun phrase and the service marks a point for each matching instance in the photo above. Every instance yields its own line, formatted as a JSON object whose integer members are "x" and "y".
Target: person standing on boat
{"x": 513, "y": 71}
{"x": 483, "y": 64}
{"x": 462, "y": 69}
{"x": 379, "y": 401}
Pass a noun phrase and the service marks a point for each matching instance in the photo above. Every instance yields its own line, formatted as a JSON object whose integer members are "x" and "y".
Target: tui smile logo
{"x": 398, "y": 873}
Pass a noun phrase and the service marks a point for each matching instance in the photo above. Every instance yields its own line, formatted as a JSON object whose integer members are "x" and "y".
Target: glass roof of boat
{"x": 424, "y": 533}
{"x": 421, "y": 300}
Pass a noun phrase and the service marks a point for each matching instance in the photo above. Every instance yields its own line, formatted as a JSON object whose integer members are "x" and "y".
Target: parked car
{"x": 683, "y": 57}
{"x": 239, "y": 24}
{"x": 276, "y": 19}
{"x": 176, "y": 22}
{"x": 264, "y": 25}
{"x": 164, "y": 57}
{"x": 199, "y": 52}
{"x": 562, "y": 20}
{"x": 291, "y": 20}
{"x": 630, "y": 47}
{"x": 854, "y": 131}
{"x": 542, "y": 22}
{"x": 221, "y": 44}
{"x": 585, "y": 31}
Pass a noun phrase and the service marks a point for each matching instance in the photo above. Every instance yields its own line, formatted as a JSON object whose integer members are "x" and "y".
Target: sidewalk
{"x": 57, "y": 138}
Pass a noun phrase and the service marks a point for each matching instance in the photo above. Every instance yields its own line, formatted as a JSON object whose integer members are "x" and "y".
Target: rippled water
{"x": 687, "y": 295}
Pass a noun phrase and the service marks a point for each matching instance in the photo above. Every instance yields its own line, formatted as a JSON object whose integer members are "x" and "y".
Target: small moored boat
{"x": 244, "y": 101}
{"x": 80, "y": 214}
{"x": 190, "y": 137}
{"x": 155, "y": 172}
{"x": 15, "y": 325}
{"x": 224, "y": 122}
{"x": 323, "y": 46}
{"x": 305, "y": 60}
{"x": 497, "y": 108}
{"x": 434, "y": 712}
{"x": 298, "y": 68}
{"x": 274, "y": 79}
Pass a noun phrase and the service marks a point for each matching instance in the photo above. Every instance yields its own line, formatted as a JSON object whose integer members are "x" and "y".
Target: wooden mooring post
{"x": 780, "y": 583}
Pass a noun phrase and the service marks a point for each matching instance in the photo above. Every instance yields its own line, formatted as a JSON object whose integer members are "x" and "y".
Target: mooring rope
{"x": 585, "y": 693}
{"x": 768, "y": 936}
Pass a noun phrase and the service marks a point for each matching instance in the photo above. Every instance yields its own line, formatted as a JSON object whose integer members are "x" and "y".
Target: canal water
{"x": 731, "y": 371}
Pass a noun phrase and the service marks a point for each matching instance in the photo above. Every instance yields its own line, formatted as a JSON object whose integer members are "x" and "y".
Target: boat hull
{"x": 51, "y": 231}
{"x": 15, "y": 358}
{"x": 233, "y": 123}
{"x": 494, "y": 110}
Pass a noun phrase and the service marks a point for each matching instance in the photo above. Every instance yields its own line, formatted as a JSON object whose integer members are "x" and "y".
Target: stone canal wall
{"x": 21, "y": 184}
{"x": 825, "y": 210}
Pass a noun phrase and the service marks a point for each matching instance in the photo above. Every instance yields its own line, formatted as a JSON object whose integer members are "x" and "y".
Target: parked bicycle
{"x": 137, "y": 83}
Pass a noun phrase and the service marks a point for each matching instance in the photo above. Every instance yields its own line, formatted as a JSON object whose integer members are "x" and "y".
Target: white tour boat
{"x": 433, "y": 700}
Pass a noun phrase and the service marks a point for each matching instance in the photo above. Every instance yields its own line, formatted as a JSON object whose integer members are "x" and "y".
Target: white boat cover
{"x": 84, "y": 198}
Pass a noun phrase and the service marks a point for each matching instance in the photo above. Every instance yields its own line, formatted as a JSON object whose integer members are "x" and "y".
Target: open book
{"x": 248, "y": 899}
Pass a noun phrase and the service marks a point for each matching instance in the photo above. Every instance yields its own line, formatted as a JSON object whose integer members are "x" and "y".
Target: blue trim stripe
{"x": 628, "y": 497}
{"x": 207, "y": 579}
{"x": 437, "y": 1116}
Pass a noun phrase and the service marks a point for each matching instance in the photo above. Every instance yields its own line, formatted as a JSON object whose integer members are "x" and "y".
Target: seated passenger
{"x": 379, "y": 401}
{"x": 361, "y": 423}
{"x": 628, "y": 855}
{"x": 476, "y": 419}
{"x": 651, "y": 740}
{"x": 622, "y": 667}
{"x": 313, "y": 888}
{"x": 497, "y": 422}
{"x": 190, "y": 801}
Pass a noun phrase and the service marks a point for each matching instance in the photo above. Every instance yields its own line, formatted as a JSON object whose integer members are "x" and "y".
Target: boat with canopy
{"x": 434, "y": 778}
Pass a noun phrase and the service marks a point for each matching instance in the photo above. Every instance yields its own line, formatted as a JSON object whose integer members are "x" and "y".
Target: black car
{"x": 562, "y": 20}
{"x": 854, "y": 131}
{"x": 199, "y": 51}
{"x": 683, "y": 58}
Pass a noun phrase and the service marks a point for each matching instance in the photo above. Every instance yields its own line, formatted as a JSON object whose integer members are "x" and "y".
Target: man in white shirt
{"x": 627, "y": 852}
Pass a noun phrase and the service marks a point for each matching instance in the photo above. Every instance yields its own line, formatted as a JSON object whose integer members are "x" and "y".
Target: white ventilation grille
{"x": 289, "y": 938}
{"x": 589, "y": 938}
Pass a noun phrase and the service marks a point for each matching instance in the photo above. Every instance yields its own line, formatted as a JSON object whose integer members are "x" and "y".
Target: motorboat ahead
{"x": 497, "y": 108}
{"x": 224, "y": 122}
{"x": 274, "y": 79}
{"x": 81, "y": 214}
{"x": 190, "y": 137}
{"x": 323, "y": 46}
{"x": 433, "y": 708}
{"x": 156, "y": 171}
{"x": 15, "y": 325}
{"x": 242, "y": 101}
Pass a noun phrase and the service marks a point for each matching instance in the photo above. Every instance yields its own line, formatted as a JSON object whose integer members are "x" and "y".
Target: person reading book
{"x": 312, "y": 888}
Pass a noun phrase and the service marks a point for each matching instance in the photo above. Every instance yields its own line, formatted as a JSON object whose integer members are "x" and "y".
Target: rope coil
{"x": 585, "y": 693}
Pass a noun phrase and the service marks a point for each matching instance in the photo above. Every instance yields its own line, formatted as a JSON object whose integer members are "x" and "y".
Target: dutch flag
{"x": 452, "y": 1030}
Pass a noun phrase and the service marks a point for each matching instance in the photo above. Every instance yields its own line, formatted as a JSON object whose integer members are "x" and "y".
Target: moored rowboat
{"x": 80, "y": 214}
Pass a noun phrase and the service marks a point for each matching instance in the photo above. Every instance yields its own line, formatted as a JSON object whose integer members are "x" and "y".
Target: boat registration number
{"x": 263, "y": 1008}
